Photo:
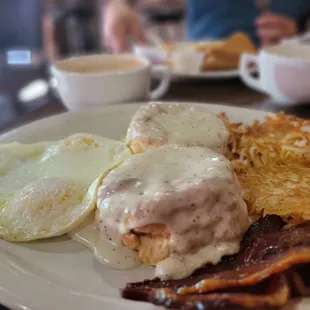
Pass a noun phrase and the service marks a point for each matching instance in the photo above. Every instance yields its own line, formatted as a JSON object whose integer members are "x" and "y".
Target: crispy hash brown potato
{"x": 277, "y": 189}
{"x": 279, "y": 138}
{"x": 271, "y": 159}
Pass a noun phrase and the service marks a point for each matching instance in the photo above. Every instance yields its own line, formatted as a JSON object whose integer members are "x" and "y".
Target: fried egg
{"x": 47, "y": 189}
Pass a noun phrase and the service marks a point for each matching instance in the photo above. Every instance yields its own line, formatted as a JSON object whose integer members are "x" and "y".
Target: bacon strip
{"x": 249, "y": 274}
{"x": 300, "y": 280}
{"x": 273, "y": 293}
{"x": 268, "y": 252}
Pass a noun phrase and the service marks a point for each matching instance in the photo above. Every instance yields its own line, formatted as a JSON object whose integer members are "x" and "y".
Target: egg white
{"x": 47, "y": 189}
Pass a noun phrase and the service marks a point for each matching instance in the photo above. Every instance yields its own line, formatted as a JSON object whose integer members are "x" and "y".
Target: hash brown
{"x": 278, "y": 189}
{"x": 280, "y": 138}
{"x": 271, "y": 160}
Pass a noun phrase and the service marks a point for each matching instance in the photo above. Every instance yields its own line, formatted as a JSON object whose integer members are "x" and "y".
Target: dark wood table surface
{"x": 14, "y": 112}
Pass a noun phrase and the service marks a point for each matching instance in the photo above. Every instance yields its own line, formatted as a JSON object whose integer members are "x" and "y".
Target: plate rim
{"x": 63, "y": 115}
{"x": 211, "y": 74}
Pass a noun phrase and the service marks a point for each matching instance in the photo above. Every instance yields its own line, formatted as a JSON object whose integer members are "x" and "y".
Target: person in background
{"x": 209, "y": 19}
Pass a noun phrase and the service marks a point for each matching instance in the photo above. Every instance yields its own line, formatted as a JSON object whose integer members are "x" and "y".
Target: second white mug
{"x": 284, "y": 72}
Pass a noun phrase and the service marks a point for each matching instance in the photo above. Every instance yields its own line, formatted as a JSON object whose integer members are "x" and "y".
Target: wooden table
{"x": 14, "y": 113}
{"x": 231, "y": 92}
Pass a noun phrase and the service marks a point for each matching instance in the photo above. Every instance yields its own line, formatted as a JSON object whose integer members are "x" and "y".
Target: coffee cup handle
{"x": 53, "y": 82}
{"x": 163, "y": 73}
{"x": 244, "y": 71}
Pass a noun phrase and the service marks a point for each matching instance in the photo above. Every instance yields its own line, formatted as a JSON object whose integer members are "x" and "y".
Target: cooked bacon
{"x": 300, "y": 280}
{"x": 274, "y": 292}
{"x": 265, "y": 225}
{"x": 250, "y": 273}
{"x": 268, "y": 250}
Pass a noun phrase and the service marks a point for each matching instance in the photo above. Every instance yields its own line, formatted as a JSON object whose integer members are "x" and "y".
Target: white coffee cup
{"x": 93, "y": 80}
{"x": 284, "y": 72}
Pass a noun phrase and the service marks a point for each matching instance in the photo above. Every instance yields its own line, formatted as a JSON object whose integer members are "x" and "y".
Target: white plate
{"x": 217, "y": 74}
{"x": 59, "y": 273}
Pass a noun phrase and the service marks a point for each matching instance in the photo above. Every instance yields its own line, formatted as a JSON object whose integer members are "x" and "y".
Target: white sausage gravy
{"x": 191, "y": 190}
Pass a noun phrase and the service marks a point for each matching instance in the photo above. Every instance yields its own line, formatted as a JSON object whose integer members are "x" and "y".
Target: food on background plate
{"x": 48, "y": 188}
{"x": 219, "y": 55}
{"x": 272, "y": 265}
{"x": 158, "y": 124}
{"x": 227, "y": 55}
{"x": 179, "y": 207}
{"x": 202, "y": 46}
